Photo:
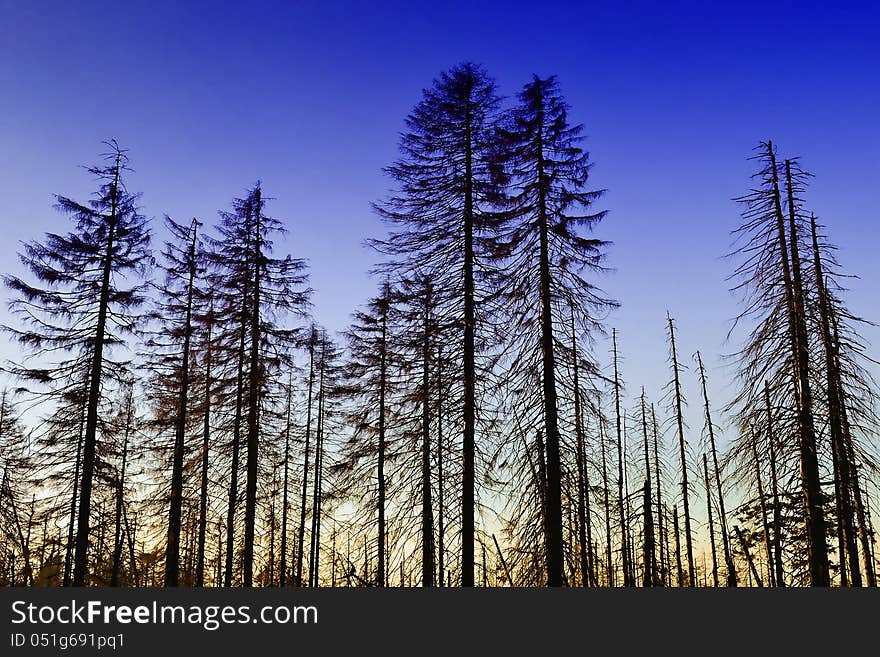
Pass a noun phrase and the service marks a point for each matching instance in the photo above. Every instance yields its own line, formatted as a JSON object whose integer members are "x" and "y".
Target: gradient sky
{"x": 310, "y": 97}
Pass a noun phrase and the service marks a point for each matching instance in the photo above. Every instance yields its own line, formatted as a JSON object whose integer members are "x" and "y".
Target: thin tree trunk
{"x": 745, "y": 548}
{"x": 649, "y": 555}
{"x": 722, "y": 514}
{"x": 711, "y": 522}
{"x": 763, "y": 504}
{"x": 608, "y": 553}
{"x": 206, "y": 434}
{"x": 219, "y": 581}
{"x": 542, "y": 484}
{"x": 68, "y": 552}
{"x": 624, "y": 550}
{"x": 865, "y": 533}
{"x": 664, "y": 550}
{"x": 129, "y": 535}
{"x": 380, "y": 465}
{"x": 236, "y": 427}
{"x": 584, "y": 540}
{"x": 305, "y": 476}
{"x": 842, "y": 483}
{"x": 777, "y": 518}
{"x": 282, "y": 566}
{"x": 172, "y": 544}
{"x": 469, "y": 411}
{"x": 677, "y": 545}
{"x": 681, "y": 445}
{"x": 120, "y": 492}
{"x": 315, "y": 541}
{"x": 272, "y": 522}
{"x": 839, "y": 512}
{"x": 427, "y": 504}
{"x": 591, "y": 561}
{"x": 253, "y": 437}
{"x": 503, "y": 561}
{"x": 441, "y": 549}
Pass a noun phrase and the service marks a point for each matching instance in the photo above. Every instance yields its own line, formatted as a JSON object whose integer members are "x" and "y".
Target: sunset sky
{"x": 310, "y": 98}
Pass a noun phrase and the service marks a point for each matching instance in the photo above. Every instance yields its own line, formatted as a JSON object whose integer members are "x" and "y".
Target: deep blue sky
{"x": 310, "y": 98}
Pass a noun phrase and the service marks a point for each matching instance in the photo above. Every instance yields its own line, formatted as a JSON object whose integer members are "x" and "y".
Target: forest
{"x": 175, "y": 415}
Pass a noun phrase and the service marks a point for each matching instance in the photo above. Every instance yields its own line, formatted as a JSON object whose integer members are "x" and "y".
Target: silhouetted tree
{"x": 84, "y": 308}
{"x": 678, "y": 403}
{"x": 440, "y": 216}
{"x": 258, "y": 291}
{"x": 543, "y": 256}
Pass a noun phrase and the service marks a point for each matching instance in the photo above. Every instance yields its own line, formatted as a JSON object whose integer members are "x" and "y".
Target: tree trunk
{"x": 305, "y": 476}
{"x": 553, "y": 499}
{"x": 664, "y": 551}
{"x": 814, "y": 516}
{"x": 777, "y": 518}
{"x": 380, "y": 466}
{"x": 236, "y": 428}
{"x": 427, "y": 504}
{"x": 172, "y": 545}
{"x": 68, "y": 553}
{"x": 649, "y": 555}
{"x": 270, "y": 576}
{"x": 677, "y": 546}
{"x": 865, "y": 533}
{"x": 315, "y": 540}
{"x": 282, "y": 566}
{"x": 842, "y": 483}
{"x": 129, "y": 534}
{"x": 441, "y": 566}
{"x": 722, "y": 515}
{"x": 120, "y": 492}
{"x": 206, "y": 433}
{"x": 681, "y": 445}
{"x": 763, "y": 503}
{"x": 624, "y": 550}
{"x": 711, "y": 522}
{"x": 250, "y": 505}
{"x": 745, "y": 548}
{"x": 468, "y": 445}
{"x": 608, "y": 553}
{"x": 584, "y": 541}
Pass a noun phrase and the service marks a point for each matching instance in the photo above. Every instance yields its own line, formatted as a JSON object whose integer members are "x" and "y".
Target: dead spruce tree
{"x": 649, "y": 553}
{"x": 716, "y": 474}
{"x": 312, "y": 346}
{"x": 790, "y": 351}
{"x": 677, "y": 402}
{"x": 628, "y": 575}
{"x": 254, "y": 293}
{"x": 543, "y": 255}
{"x": 329, "y": 393}
{"x": 81, "y": 308}
{"x": 170, "y": 364}
{"x": 849, "y": 392}
{"x": 440, "y": 216}
{"x": 372, "y": 381}
{"x": 205, "y": 351}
